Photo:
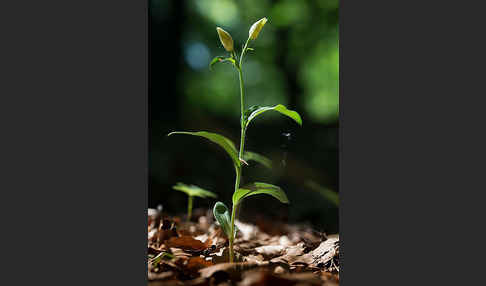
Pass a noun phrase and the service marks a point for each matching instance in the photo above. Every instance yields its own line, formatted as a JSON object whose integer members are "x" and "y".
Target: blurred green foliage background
{"x": 295, "y": 63}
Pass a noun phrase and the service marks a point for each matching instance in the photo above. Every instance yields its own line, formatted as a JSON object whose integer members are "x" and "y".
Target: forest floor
{"x": 267, "y": 253}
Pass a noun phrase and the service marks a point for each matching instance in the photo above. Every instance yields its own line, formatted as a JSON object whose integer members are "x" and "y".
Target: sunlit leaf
{"x": 329, "y": 195}
{"x": 252, "y": 156}
{"x": 280, "y": 108}
{"x": 222, "y": 141}
{"x": 194, "y": 191}
{"x": 256, "y": 28}
{"x": 222, "y": 215}
{"x": 260, "y": 188}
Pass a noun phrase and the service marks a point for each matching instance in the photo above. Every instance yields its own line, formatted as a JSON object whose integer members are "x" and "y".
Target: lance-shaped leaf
{"x": 252, "y": 156}
{"x": 194, "y": 191}
{"x": 222, "y": 215}
{"x": 222, "y": 141}
{"x": 280, "y": 108}
{"x": 260, "y": 188}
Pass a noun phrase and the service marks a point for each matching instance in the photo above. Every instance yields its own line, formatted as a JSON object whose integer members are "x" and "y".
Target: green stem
{"x": 189, "y": 208}
{"x": 243, "y": 52}
{"x": 242, "y": 96}
{"x": 233, "y": 215}
{"x": 242, "y": 149}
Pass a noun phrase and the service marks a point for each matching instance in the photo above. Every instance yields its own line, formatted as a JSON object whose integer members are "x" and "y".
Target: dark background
{"x": 295, "y": 63}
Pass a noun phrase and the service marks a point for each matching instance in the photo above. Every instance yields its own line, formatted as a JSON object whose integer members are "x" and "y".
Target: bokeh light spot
{"x": 197, "y": 56}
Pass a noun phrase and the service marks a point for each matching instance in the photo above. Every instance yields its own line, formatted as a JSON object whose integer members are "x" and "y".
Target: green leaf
{"x": 194, "y": 191}
{"x": 221, "y": 59}
{"x": 222, "y": 215}
{"x": 249, "y": 111}
{"x": 231, "y": 60}
{"x": 215, "y": 61}
{"x": 260, "y": 188}
{"x": 222, "y": 141}
{"x": 280, "y": 108}
{"x": 328, "y": 194}
{"x": 163, "y": 255}
{"x": 252, "y": 156}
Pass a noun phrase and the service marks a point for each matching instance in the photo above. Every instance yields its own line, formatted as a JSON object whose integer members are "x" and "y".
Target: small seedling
{"x": 193, "y": 191}
{"x": 221, "y": 212}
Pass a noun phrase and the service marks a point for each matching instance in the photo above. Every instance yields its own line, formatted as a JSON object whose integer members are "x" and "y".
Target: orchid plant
{"x": 220, "y": 211}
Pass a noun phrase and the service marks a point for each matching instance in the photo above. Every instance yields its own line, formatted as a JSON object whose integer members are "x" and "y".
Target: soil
{"x": 195, "y": 252}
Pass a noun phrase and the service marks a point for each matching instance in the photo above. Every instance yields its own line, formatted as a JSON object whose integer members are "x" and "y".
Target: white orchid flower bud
{"x": 256, "y": 28}
{"x": 225, "y": 39}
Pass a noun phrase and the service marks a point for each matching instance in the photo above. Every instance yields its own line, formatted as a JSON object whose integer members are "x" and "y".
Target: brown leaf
{"x": 292, "y": 255}
{"x": 152, "y": 235}
{"x": 262, "y": 278}
{"x": 200, "y": 281}
{"x": 231, "y": 268}
{"x": 258, "y": 259}
{"x": 153, "y": 250}
{"x": 217, "y": 236}
{"x": 187, "y": 243}
{"x": 330, "y": 277}
{"x": 270, "y": 251}
{"x": 306, "y": 277}
{"x": 326, "y": 251}
{"x": 166, "y": 232}
{"x": 196, "y": 263}
{"x": 179, "y": 253}
{"x": 247, "y": 247}
{"x": 222, "y": 256}
{"x": 160, "y": 276}
{"x": 246, "y": 231}
{"x": 208, "y": 243}
{"x": 279, "y": 270}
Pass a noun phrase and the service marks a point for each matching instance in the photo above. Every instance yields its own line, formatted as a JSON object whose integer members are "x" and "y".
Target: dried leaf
{"x": 270, "y": 251}
{"x": 293, "y": 254}
{"x": 153, "y": 250}
{"x": 307, "y": 277}
{"x": 222, "y": 256}
{"x": 179, "y": 253}
{"x": 246, "y": 231}
{"x": 318, "y": 258}
{"x": 261, "y": 278}
{"x": 165, "y": 234}
{"x": 196, "y": 263}
{"x": 230, "y": 268}
{"x": 160, "y": 276}
{"x": 325, "y": 252}
{"x": 152, "y": 212}
{"x": 152, "y": 235}
{"x": 247, "y": 247}
{"x": 258, "y": 259}
{"x": 187, "y": 243}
